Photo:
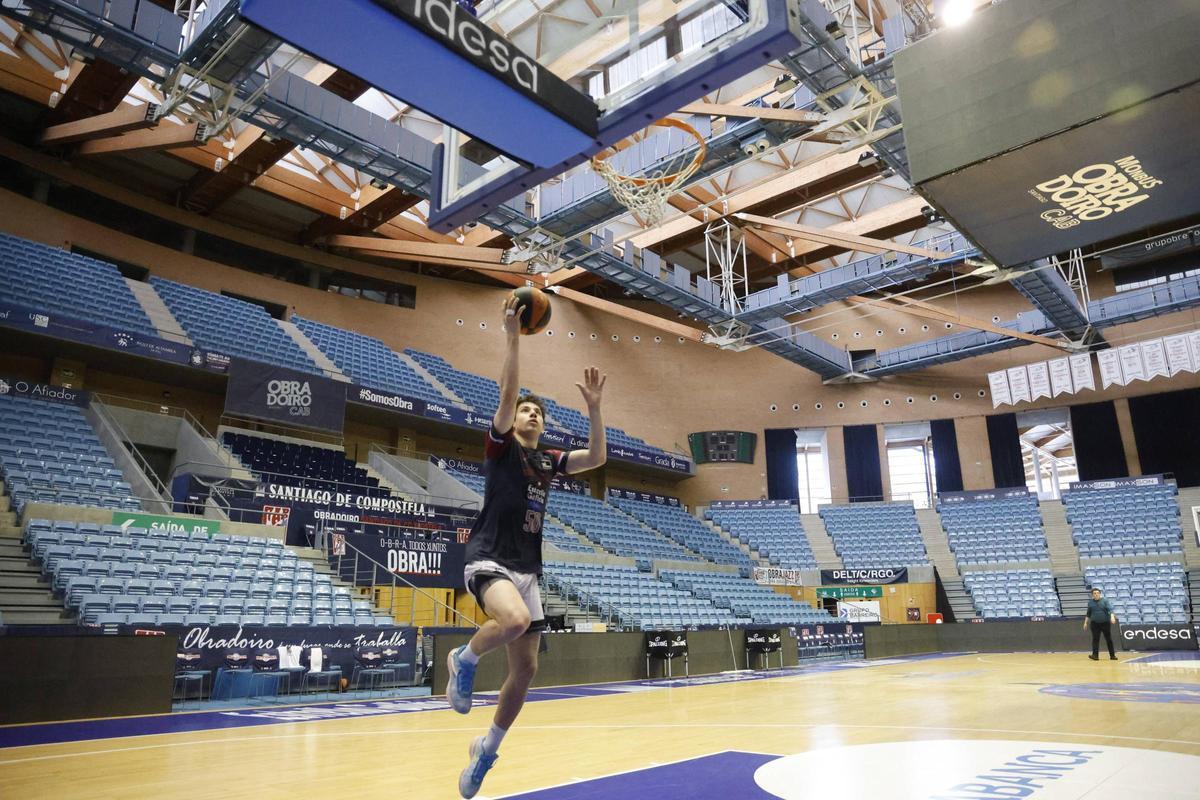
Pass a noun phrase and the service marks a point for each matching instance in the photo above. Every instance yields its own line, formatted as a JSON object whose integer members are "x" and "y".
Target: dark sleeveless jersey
{"x": 517, "y": 486}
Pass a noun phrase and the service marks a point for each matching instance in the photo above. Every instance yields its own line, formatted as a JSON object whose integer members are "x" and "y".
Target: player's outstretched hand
{"x": 511, "y": 307}
{"x": 592, "y": 387}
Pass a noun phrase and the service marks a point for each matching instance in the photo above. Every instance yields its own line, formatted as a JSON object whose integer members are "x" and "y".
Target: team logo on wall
{"x": 1094, "y": 192}
{"x": 968, "y": 770}
{"x": 1129, "y": 692}
{"x": 276, "y": 515}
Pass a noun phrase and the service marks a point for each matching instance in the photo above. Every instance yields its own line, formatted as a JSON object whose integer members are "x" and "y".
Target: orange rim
{"x": 666, "y": 122}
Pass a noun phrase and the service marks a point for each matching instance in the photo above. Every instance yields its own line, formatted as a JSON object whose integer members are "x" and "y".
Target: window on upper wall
{"x": 910, "y": 463}
{"x": 1048, "y": 449}
{"x": 812, "y": 470}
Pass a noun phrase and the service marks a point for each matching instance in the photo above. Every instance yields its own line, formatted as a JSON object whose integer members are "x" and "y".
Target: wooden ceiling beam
{"x": 161, "y": 137}
{"x": 836, "y": 238}
{"x": 461, "y": 254}
{"x": 125, "y": 119}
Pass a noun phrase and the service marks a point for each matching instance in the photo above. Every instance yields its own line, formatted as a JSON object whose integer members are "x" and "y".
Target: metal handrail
{"x": 155, "y": 408}
{"x": 122, "y": 438}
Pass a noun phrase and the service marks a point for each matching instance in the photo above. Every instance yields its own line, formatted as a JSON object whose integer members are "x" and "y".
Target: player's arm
{"x": 510, "y": 381}
{"x": 596, "y": 453}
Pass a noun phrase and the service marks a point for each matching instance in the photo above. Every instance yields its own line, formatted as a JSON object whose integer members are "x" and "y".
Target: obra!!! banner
{"x": 424, "y": 557}
{"x": 264, "y": 391}
{"x": 867, "y": 576}
{"x": 210, "y": 647}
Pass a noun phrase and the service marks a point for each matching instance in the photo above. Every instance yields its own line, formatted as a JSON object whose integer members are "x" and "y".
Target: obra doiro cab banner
{"x": 874, "y": 577}
{"x": 1166, "y": 636}
{"x": 265, "y": 391}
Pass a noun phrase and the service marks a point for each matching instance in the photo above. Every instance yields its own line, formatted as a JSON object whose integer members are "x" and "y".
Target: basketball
{"x": 533, "y": 311}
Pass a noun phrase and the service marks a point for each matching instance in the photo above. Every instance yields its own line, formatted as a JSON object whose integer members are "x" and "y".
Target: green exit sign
{"x": 841, "y": 592}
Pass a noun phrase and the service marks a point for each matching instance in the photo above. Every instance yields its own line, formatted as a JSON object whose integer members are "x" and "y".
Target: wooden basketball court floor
{"x": 964, "y": 726}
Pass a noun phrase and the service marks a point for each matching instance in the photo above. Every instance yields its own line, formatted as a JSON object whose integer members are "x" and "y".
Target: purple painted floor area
{"x": 722, "y": 776}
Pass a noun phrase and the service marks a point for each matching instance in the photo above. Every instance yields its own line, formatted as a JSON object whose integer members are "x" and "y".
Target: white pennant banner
{"x": 998, "y": 383}
{"x": 1154, "y": 356}
{"x": 1179, "y": 355}
{"x": 1060, "y": 376}
{"x": 1110, "y": 368}
{"x": 1081, "y": 372}
{"x": 1132, "y": 366}
{"x": 1018, "y": 381}
{"x": 1039, "y": 380}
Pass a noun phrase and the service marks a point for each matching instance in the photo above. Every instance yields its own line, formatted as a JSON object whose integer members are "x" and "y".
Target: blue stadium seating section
{"x": 681, "y": 526}
{"x": 633, "y": 599}
{"x": 745, "y": 598}
{"x": 995, "y": 531}
{"x": 368, "y": 361}
{"x": 483, "y": 395}
{"x": 1136, "y": 520}
{"x": 110, "y": 575}
{"x": 57, "y": 280}
{"x": 50, "y": 454}
{"x": 1013, "y": 593}
{"x": 234, "y": 327}
{"x": 613, "y": 529}
{"x": 311, "y": 466}
{"x": 1143, "y": 593}
{"x": 776, "y": 533}
{"x": 875, "y": 534}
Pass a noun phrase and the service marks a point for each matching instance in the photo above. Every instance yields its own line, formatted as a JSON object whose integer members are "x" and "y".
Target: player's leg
{"x": 1095, "y": 626}
{"x": 522, "y": 667}
{"x": 1112, "y": 653}
{"x": 501, "y": 601}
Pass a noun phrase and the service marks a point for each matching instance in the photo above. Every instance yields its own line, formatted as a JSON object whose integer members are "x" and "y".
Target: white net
{"x": 646, "y": 195}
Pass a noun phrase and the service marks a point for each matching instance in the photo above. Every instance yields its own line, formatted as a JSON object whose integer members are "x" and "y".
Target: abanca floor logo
{"x": 976, "y": 769}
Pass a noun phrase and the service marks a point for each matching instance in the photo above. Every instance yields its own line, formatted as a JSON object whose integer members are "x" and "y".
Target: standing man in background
{"x": 1101, "y": 618}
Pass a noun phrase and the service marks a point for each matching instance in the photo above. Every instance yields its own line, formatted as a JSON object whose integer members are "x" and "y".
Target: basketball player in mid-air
{"x": 504, "y": 552}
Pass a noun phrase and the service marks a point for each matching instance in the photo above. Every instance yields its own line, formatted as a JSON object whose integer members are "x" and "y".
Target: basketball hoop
{"x": 646, "y": 195}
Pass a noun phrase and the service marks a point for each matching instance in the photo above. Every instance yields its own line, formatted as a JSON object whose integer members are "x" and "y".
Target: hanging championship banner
{"x": 1154, "y": 355}
{"x": 1110, "y": 368}
{"x": 1060, "y": 376}
{"x": 1081, "y": 372}
{"x": 1039, "y": 380}
{"x": 1179, "y": 355}
{"x": 1018, "y": 379}
{"x": 998, "y": 383}
{"x": 1132, "y": 366}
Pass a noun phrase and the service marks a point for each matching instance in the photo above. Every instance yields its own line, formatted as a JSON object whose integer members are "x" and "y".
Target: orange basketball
{"x": 533, "y": 309}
